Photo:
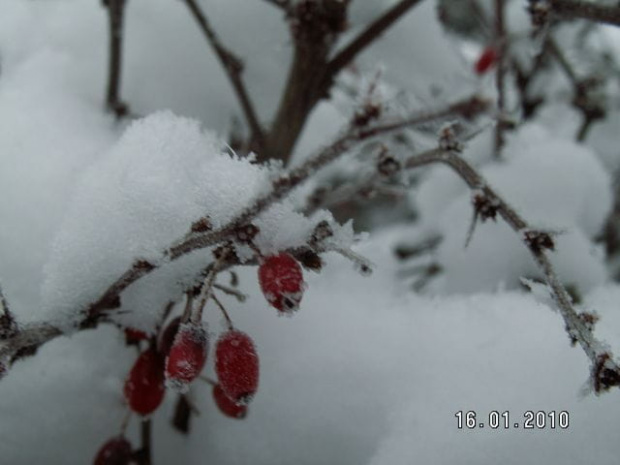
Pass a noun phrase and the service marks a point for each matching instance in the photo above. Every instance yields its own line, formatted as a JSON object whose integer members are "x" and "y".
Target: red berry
{"x": 187, "y": 356}
{"x": 133, "y": 336}
{"x": 486, "y": 60}
{"x": 282, "y": 282}
{"x": 144, "y": 387}
{"x": 117, "y": 451}
{"x": 227, "y": 406}
{"x": 236, "y": 366}
{"x": 167, "y": 337}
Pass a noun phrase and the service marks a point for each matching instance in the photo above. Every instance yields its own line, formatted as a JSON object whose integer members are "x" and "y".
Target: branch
{"x": 32, "y": 336}
{"x": 500, "y": 76}
{"x": 233, "y": 67}
{"x": 367, "y": 37}
{"x": 584, "y": 92}
{"x": 116, "y": 10}
{"x": 605, "y": 373}
{"x": 576, "y": 9}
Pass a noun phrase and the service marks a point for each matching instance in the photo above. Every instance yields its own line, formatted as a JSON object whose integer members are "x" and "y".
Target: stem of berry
{"x": 125, "y": 422}
{"x": 189, "y": 303}
{"x": 224, "y": 312}
{"x": 240, "y": 296}
{"x": 207, "y": 287}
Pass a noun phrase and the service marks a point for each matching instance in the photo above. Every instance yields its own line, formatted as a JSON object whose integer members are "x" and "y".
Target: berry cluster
{"x": 177, "y": 355}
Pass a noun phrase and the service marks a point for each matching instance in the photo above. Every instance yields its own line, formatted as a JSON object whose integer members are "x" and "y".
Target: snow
{"x": 366, "y": 371}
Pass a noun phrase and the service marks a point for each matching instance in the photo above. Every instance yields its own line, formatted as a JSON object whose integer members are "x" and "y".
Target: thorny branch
{"x": 35, "y": 335}
{"x": 605, "y": 372}
{"x": 233, "y": 67}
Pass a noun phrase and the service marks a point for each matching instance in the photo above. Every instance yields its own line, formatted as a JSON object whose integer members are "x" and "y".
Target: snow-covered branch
{"x": 201, "y": 236}
{"x": 605, "y": 372}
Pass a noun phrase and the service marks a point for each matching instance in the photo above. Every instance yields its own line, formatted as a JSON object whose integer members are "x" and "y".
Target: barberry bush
{"x": 309, "y": 231}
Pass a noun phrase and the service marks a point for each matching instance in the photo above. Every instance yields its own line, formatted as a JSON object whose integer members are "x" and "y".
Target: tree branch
{"x": 116, "y": 10}
{"x": 501, "y": 43}
{"x": 364, "y": 39}
{"x": 575, "y": 9}
{"x": 605, "y": 372}
{"x": 233, "y": 67}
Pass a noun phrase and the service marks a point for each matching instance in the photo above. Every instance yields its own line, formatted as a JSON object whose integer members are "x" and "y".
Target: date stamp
{"x": 528, "y": 420}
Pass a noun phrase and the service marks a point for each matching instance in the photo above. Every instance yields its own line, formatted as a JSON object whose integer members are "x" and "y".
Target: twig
{"x": 229, "y": 322}
{"x": 365, "y": 38}
{"x": 583, "y": 95}
{"x": 605, "y": 373}
{"x": 233, "y": 67}
{"x": 116, "y": 10}
{"x": 207, "y": 288}
{"x": 574, "y": 9}
{"x": 500, "y": 76}
{"x": 240, "y": 296}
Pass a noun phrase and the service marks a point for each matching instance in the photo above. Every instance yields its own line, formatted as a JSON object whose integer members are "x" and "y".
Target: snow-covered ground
{"x": 367, "y": 372}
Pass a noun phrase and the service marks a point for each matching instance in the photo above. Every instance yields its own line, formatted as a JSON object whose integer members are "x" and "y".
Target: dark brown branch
{"x": 233, "y": 67}
{"x": 367, "y": 37}
{"x": 116, "y": 10}
{"x": 314, "y": 28}
{"x": 501, "y": 43}
{"x": 575, "y": 9}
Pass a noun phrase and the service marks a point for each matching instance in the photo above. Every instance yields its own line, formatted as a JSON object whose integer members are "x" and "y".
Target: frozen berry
{"x": 486, "y": 60}
{"x": 187, "y": 356}
{"x": 144, "y": 387}
{"x": 282, "y": 282}
{"x": 117, "y": 451}
{"x": 168, "y": 335}
{"x": 236, "y": 366}
{"x": 227, "y": 406}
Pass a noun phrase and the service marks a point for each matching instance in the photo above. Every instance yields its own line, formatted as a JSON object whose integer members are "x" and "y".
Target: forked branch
{"x": 233, "y": 67}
